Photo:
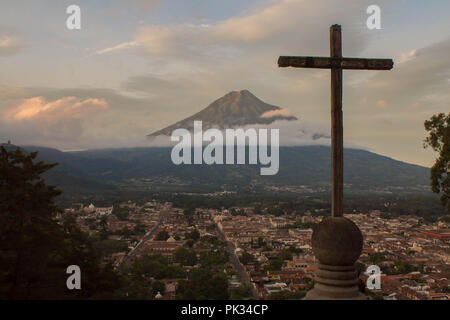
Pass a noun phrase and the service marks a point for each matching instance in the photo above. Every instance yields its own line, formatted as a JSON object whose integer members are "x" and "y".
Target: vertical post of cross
{"x": 337, "y": 168}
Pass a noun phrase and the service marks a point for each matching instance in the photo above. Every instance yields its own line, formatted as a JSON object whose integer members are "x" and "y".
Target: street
{"x": 165, "y": 209}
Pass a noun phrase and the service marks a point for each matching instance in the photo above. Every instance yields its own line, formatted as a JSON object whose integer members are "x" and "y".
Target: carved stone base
{"x": 336, "y": 283}
{"x": 337, "y": 243}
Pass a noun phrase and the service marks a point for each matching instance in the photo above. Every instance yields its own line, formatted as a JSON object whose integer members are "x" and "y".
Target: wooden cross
{"x": 336, "y": 63}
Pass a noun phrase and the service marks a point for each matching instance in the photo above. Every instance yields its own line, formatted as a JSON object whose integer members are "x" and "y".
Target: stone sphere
{"x": 337, "y": 241}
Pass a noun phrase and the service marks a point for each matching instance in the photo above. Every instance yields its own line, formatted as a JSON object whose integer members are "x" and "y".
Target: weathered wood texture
{"x": 343, "y": 63}
{"x": 337, "y": 161}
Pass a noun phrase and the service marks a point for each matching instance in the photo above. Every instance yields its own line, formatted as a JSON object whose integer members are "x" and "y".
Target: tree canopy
{"x": 36, "y": 248}
{"x": 438, "y": 139}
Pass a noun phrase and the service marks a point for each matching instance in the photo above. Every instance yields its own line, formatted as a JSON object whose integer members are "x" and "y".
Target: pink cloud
{"x": 37, "y": 108}
{"x": 382, "y": 104}
{"x": 277, "y": 113}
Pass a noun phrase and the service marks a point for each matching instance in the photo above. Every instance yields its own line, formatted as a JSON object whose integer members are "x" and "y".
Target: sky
{"x": 136, "y": 66}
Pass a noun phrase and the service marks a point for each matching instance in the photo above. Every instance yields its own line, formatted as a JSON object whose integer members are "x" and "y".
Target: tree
{"x": 162, "y": 236}
{"x": 247, "y": 258}
{"x": 287, "y": 295}
{"x": 155, "y": 266}
{"x": 121, "y": 213}
{"x": 103, "y": 223}
{"x": 189, "y": 243}
{"x": 35, "y": 250}
{"x": 194, "y": 235}
{"x": 26, "y": 212}
{"x": 244, "y": 291}
{"x": 185, "y": 257}
{"x": 202, "y": 285}
{"x": 438, "y": 139}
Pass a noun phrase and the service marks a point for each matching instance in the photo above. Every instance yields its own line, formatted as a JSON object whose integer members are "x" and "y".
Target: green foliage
{"x": 438, "y": 139}
{"x": 246, "y": 258}
{"x": 244, "y": 291}
{"x": 400, "y": 267}
{"x": 189, "y": 243}
{"x": 35, "y": 250}
{"x": 121, "y": 213}
{"x": 108, "y": 247}
{"x": 295, "y": 250}
{"x": 287, "y": 295}
{"x": 189, "y": 213}
{"x": 203, "y": 284}
{"x": 211, "y": 239}
{"x": 185, "y": 257}
{"x": 155, "y": 266}
{"x": 260, "y": 243}
{"x": 213, "y": 259}
{"x": 194, "y": 235}
{"x": 377, "y": 257}
{"x": 139, "y": 229}
{"x": 162, "y": 236}
{"x": 275, "y": 264}
{"x": 303, "y": 225}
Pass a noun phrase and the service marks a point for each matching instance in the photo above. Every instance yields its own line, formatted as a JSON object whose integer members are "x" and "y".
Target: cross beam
{"x": 336, "y": 63}
{"x": 328, "y": 63}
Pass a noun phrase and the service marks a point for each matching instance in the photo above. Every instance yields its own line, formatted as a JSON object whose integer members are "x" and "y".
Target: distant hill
{"x": 237, "y": 108}
{"x": 66, "y": 176}
{"x": 307, "y": 165}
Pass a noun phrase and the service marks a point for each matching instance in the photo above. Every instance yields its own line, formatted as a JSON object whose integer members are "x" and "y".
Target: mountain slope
{"x": 68, "y": 175}
{"x": 236, "y": 108}
{"x": 306, "y": 165}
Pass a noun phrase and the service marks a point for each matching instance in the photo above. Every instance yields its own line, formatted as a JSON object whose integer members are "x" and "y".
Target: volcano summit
{"x": 235, "y": 109}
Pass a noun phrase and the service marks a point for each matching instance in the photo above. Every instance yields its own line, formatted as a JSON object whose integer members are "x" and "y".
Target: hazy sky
{"x": 139, "y": 65}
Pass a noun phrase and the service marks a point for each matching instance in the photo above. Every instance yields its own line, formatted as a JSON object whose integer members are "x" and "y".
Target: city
{"x": 268, "y": 256}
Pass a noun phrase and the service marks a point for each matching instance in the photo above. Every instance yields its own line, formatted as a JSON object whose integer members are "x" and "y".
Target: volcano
{"x": 235, "y": 109}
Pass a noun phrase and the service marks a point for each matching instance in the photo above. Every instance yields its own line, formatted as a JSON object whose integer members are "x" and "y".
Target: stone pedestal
{"x": 337, "y": 243}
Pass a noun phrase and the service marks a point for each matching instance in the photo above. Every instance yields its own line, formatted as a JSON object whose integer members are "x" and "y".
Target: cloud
{"x": 48, "y": 121}
{"x": 121, "y": 46}
{"x": 404, "y": 57}
{"x": 271, "y": 22}
{"x": 75, "y": 118}
{"x": 421, "y": 78}
{"x": 381, "y": 104}
{"x": 158, "y": 40}
{"x": 412, "y": 92}
{"x": 277, "y": 113}
{"x": 262, "y": 24}
{"x": 10, "y": 42}
{"x": 37, "y": 109}
{"x": 144, "y": 4}
{"x": 291, "y": 133}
